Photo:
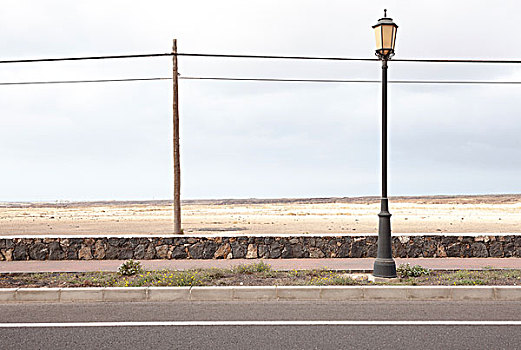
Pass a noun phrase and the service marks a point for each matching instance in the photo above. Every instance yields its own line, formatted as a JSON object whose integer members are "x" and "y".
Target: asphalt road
{"x": 62, "y": 334}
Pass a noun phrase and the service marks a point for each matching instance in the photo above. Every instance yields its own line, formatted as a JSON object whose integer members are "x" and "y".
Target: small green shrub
{"x": 252, "y": 268}
{"x": 406, "y": 270}
{"x": 331, "y": 280}
{"x": 130, "y": 268}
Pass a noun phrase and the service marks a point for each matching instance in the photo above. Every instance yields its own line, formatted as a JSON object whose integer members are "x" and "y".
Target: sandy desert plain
{"x": 428, "y": 214}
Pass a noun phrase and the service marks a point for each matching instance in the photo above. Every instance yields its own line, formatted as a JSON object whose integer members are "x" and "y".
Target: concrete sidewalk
{"x": 354, "y": 265}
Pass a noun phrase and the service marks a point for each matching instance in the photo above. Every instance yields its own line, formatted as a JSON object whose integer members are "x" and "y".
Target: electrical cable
{"x": 465, "y": 82}
{"x": 80, "y": 81}
{"x": 32, "y": 60}
{"x": 419, "y": 60}
{"x": 425, "y": 60}
{"x": 355, "y": 81}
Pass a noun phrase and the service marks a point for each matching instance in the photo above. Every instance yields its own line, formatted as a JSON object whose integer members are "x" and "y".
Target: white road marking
{"x": 256, "y": 323}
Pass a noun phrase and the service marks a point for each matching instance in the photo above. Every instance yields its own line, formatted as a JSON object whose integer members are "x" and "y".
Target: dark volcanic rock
{"x": 238, "y": 250}
{"x": 150, "y": 252}
{"x": 509, "y": 250}
{"x": 111, "y": 253}
{"x": 275, "y": 251}
{"x": 344, "y": 250}
{"x": 454, "y": 250}
{"x": 210, "y": 248}
{"x": 115, "y": 242}
{"x": 286, "y": 252}
{"x": 415, "y": 247}
{"x": 38, "y": 251}
{"x": 196, "y": 250}
{"x": 297, "y": 251}
{"x": 252, "y": 247}
{"x": 179, "y": 253}
{"x": 55, "y": 251}
{"x": 429, "y": 247}
{"x": 72, "y": 253}
{"x": 466, "y": 250}
{"x": 496, "y": 250}
{"x": 139, "y": 251}
{"x": 479, "y": 250}
{"x": 263, "y": 251}
{"x": 517, "y": 242}
{"x": 399, "y": 249}
{"x": 20, "y": 252}
{"x": 162, "y": 251}
{"x": 126, "y": 253}
{"x": 372, "y": 247}
{"x": 357, "y": 248}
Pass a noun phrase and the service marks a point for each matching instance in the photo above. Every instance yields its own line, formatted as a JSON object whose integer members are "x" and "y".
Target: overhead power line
{"x": 368, "y": 81}
{"x": 319, "y": 58}
{"x": 355, "y": 81}
{"x": 426, "y": 60}
{"x": 430, "y": 60}
{"x": 324, "y": 58}
{"x": 80, "y": 81}
{"x": 83, "y": 58}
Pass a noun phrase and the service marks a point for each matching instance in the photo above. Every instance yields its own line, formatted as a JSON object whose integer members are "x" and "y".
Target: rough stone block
{"x": 496, "y": 250}
{"x": 479, "y": 250}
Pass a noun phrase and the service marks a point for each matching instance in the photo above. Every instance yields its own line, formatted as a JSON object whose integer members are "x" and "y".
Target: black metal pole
{"x": 384, "y": 265}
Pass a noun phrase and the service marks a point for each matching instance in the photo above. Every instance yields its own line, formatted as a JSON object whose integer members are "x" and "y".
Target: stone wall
{"x": 269, "y": 247}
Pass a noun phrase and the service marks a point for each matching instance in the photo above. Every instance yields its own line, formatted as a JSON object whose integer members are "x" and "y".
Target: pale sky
{"x": 256, "y": 139}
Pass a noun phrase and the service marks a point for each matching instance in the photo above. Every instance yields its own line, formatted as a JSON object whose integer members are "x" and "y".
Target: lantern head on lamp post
{"x": 385, "y": 34}
{"x": 384, "y": 265}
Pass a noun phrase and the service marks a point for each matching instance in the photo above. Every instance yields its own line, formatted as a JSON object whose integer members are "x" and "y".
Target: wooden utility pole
{"x": 177, "y": 165}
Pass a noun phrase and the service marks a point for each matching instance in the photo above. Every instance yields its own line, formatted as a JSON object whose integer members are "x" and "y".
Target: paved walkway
{"x": 363, "y": 265}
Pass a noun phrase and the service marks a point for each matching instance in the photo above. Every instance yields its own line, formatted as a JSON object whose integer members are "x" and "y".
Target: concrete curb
{"x": 146, "y": 294}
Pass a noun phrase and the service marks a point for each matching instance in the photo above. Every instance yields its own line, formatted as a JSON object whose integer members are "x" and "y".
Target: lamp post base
{"x": 384, "y": 268}
{"x": 384, "y": 265}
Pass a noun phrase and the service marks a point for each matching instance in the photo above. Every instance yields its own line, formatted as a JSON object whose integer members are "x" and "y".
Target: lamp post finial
{"x": 385, "y": 12}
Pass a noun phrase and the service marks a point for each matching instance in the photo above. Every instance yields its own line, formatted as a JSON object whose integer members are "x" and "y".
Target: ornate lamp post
{"x": 384, "y": 265}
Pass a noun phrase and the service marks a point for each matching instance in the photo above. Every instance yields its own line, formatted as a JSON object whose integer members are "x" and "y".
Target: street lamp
{"x": 384, "y": 265}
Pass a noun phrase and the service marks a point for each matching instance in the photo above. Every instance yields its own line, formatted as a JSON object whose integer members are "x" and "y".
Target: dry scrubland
{"x": 438, "y": 214}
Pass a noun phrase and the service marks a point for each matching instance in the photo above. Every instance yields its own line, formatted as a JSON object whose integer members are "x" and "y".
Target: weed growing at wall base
{"x": 406, "y": 270}
{"x": 130, "y": 268}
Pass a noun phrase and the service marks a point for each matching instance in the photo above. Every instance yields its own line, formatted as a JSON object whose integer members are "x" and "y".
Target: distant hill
{"x": 440, "y": 199}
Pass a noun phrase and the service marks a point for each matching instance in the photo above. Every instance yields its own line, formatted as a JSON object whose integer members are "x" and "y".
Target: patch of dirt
{"x": 355, "y": 215}
{"x": 214, "y": 277}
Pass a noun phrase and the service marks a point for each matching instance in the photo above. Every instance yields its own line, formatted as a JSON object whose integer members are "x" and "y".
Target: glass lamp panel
{"x": 387, "y": 36}
{"x": 378, "y": 36}
{"x": 394, "y": 36}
